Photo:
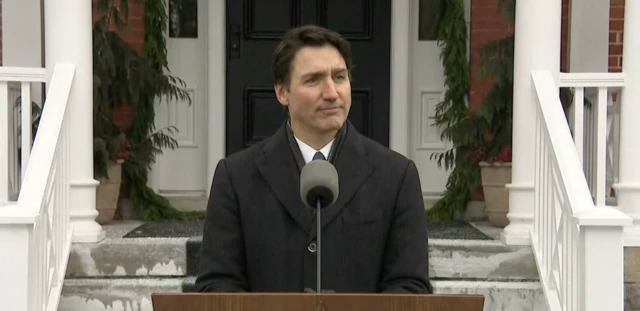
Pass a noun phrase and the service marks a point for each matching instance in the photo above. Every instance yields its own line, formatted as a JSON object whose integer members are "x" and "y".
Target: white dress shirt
{"x": 308, "y": 152}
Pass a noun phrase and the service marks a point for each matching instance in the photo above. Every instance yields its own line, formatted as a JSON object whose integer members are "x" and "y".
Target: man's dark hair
{"x": 297, "y": 38}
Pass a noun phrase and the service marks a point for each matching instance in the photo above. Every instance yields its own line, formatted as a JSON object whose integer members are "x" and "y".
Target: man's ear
{"x": 282, "y": 94}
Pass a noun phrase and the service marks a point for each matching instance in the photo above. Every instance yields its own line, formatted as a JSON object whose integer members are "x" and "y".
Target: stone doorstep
{"x": 134, "y": 294}
{"x": 122, "y": 294}
{"x": 175, "y": 257}
{"x": 474, "y": 211}
{"x": 140, "y": 257}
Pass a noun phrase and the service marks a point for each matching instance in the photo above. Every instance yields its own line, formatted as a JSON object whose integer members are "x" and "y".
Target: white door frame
{"x": 400, "y": 87}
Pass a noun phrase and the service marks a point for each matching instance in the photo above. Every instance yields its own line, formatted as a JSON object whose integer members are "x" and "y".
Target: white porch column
{"x": 628, "y": 188}
{"x": 537, "y": 47}
{"x": 68, "y": 38}
{"x": 400, "y": 84}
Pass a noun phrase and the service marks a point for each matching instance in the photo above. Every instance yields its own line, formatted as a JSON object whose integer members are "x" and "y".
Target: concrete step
{"x": 121, "y": 256}
{"x": 118, "y": 256}
{"x": 114, "y": 294}
{"x": 122, "y": 271}
{"x": 120, "y": 294}
{"x": 450, "y": 259}
{"x": 135, "y": 260}
{"x": 499, "y": 295}
{"x": 133, "y": 294}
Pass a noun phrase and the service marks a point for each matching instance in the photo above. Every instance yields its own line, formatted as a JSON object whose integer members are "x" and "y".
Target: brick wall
{"x": 123, "y": 116}
{"x": 564, "y": 37}
{"x": 616, "y": 25}
{"x": 487, "y": 25}
{"x": 134, "y": 35}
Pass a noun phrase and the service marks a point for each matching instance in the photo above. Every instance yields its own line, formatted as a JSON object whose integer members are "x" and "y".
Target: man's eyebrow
{"x": 321, "y": 73}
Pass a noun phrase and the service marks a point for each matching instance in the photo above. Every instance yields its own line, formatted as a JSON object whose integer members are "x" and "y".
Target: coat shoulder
{"x": 383, "y": 155}
{"x": 244, "y": 158}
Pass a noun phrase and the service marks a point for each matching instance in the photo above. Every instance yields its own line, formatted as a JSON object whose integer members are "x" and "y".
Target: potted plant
{"x": 109, "y": 155}
{"x": 496, "y": 122}
{"x": 125, "y": 78}
{"x": 495, "y": 174}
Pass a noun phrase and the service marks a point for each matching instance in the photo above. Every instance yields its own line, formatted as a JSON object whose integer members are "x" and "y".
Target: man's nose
{"x": 330, "y": 93}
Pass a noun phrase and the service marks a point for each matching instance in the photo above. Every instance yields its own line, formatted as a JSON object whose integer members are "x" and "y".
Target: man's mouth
{"x": 333, "y": 108}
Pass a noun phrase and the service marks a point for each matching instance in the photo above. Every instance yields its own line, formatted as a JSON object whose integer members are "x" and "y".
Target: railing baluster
{"x": 589, "y": 144}
{"x": 548, "y": 220}
{"x": 42, "y": 254}
{"x": 5, "y": 112}
{"x": 565, "y": 260}
{"x": 536, "y": 195}
{"x": 615, "y": 143}
{"x": 601, "y": 147}
{"x": 14, "y": 136}
{"x": 56, "y": 229}
{"x": 65, "y": 209}
{"x": 26, "y": 127}
{"x": 578, "y": 117}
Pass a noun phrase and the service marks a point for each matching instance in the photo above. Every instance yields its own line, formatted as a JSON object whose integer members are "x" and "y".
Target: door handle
{"x": 234, "y": 41}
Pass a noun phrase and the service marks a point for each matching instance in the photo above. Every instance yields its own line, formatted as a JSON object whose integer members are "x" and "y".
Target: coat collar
{"x": 278, "y": 166}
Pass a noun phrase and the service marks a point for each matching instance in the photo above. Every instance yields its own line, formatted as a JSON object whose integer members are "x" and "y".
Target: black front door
{"x": 254, "y": 28}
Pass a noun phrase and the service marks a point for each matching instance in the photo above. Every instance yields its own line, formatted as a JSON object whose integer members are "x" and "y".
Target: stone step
{"x": 133, "y": 294}
{"x": 121, "y": 256}
{"x": 137, "y": 259}
{"x": 124, "y": 254}
{"x": 499, "y": 294}
{"x": 450, "y": 259}
{"x": 121, "y": 294}
{"x": 114, "y": 294}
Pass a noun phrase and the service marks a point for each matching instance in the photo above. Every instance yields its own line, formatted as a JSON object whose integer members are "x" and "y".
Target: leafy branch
{"x": 457, "y": 125}
{"x": 122, "y": 76}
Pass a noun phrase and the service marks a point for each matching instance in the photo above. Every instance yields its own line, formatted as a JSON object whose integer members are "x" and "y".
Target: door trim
{"x": 398, "y": 113}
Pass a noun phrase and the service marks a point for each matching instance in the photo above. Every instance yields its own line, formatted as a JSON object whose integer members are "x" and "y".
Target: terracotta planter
{"x": 108, "y": 193}
{"x": 496, "y": 196}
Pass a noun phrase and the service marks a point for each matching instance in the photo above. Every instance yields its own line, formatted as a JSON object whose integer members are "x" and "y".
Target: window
{"x": 430, "y": 13}
{"x": 183, "y": 18}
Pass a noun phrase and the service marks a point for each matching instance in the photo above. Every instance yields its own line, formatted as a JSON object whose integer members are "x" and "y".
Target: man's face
{"x": 319, "y": 93}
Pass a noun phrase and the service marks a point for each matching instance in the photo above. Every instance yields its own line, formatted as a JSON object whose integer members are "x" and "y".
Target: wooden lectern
{"x": 313, "y": 302}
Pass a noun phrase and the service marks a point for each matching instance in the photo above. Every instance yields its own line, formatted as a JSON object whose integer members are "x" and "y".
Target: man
{"x": 259, "y": 236}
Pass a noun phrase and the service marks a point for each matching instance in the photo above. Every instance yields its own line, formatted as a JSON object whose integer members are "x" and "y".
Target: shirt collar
{"x": 308, "y": 152}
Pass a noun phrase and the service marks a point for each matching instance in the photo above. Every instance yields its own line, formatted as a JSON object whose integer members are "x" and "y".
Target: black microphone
{"x": 319, "y": 189}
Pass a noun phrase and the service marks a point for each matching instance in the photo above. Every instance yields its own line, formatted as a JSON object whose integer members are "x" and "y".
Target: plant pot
{"x": 108, "y": 193}
{"x": 496, "y": 196}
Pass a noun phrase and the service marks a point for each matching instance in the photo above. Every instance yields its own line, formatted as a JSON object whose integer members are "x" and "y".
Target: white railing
{"x": 17, "y": 109}
{"x": 595, "y": 124}
{"x": 578, "y": 246}
{"x": 35, "y": 231}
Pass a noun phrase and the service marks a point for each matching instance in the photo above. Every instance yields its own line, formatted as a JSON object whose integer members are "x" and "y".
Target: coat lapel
{"x": 277, "y": 165}
{"x": 354, "y": 168}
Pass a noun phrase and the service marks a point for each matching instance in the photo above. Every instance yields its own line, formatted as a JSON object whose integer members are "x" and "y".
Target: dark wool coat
{"x": 259, "y": 236}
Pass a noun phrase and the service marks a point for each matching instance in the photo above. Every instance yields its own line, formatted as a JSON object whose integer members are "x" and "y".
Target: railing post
{"x": 68, "y": 39}
{"x": 537, "y": 47}
{"x": 601, "y": 236}
{"x": 628, "y": 187}
{"x": 14, "y": 268}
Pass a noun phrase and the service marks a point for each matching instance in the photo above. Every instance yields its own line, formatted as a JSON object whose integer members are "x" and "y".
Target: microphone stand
{"x": 318, "y": 269}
